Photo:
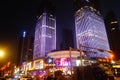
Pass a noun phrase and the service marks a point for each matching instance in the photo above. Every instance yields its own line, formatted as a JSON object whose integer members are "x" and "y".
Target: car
{"x": 109, "y": 73}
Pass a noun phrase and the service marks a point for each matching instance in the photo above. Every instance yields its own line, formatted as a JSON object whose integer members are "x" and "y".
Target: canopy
{"x": 64, "y": 54}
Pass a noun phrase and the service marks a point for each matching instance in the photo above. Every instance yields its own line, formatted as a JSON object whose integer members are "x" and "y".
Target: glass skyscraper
{"x": 45, "y": 35}
{"x": 91, "y": 32}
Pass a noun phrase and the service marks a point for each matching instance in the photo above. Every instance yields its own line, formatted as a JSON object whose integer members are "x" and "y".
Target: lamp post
{"x": 70, "y": 59}
{"x": 80, "y": 50}
{"x": 53, "y": 69}
{"x": 80, "y": 53}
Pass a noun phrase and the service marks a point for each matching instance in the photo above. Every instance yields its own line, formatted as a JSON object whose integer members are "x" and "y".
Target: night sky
{"x": 19, "y": 15}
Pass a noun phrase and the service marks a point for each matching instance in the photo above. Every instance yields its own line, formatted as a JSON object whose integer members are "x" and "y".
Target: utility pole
{"x": 70, "y": 59}
{"x": 22, "y": 48}
{"x": 80, "y": 53}
{"x": 82, "y": 67}
{"x": 53, "y": 69}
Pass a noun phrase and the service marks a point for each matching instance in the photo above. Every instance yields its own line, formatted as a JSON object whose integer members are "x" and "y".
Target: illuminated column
{"x": 45, "y": 35}
{"x": 90, "y": 31}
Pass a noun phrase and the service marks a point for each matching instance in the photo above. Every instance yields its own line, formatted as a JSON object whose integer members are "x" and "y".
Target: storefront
{"x": 64, "y": 60}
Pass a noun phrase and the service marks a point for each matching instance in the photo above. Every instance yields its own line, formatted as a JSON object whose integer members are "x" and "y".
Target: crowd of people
{"x": 57, "y": 76}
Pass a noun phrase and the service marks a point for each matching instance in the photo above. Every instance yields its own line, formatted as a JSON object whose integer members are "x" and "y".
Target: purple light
{"x": 50, "y": 60}
{"x": 90, "y": 31}
{"x": 63, "y": 62}
{"x": 87, "y": 0}
{"x": 24, "y": 34}
{"x": 45, "y": 35}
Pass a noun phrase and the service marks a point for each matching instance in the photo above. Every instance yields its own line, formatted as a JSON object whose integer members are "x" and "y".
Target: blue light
{"x": 24, "y": 34}
{"x": 50, "y": 60}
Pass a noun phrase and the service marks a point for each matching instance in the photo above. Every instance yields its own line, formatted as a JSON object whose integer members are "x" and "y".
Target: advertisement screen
{"x": 63, "y": 62}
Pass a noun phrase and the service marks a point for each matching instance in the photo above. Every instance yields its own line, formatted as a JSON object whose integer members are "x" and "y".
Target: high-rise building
{"x": 113, "y": 32}
{"x": 91, "y": 32}
{"x": 25, "y": 48}
{"x": 45, "y": 31}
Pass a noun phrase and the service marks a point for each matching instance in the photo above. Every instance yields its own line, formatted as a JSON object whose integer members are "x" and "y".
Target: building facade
{"x": 91, "y": 32}
{"x": 45, "y": 35}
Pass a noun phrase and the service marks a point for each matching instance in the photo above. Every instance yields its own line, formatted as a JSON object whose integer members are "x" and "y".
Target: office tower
{"x": 91, "y": 32}
{"x": 25, "y": 48}
{"x": 30, "y": 45}
{"x": 45, "y": 31}
{"x": 113, "y": 32}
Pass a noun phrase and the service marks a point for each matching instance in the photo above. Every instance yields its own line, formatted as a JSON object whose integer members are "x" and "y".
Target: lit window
{"x": 112, "y": 29}
{"x": 87, "y": 0}
{"x": 51, "y": 15}
{"x": 114, "y": 22}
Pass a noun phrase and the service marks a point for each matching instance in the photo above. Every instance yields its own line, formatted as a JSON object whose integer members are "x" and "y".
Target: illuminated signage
{"x": 38, "y": 64}
{"x": 63, "y": 62}
{"x": 29, "y": 66}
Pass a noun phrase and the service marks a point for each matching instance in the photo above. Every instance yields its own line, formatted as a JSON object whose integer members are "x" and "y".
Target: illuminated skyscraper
{"x": 45, "y": 33}
{"x": 91, "y": 32}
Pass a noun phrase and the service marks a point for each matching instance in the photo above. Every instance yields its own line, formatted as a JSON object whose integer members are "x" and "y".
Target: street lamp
{"x": 1, "y": 53}
{"x": 70, "y": 59}
{"x": 111, "y": 56}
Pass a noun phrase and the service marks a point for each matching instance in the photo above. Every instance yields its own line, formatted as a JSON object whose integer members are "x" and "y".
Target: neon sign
{"x": 63, "y": 62}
